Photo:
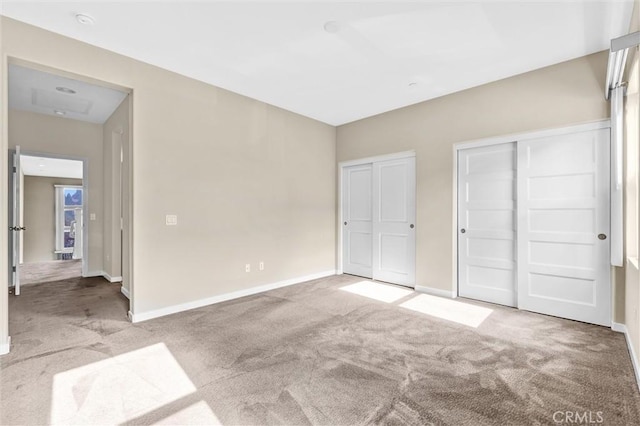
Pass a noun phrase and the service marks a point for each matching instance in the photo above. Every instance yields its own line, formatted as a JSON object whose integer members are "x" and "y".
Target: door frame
{"x": 85, "y": 198}
{"x": 496, "y": 140}
{"x": 358, "y": 162}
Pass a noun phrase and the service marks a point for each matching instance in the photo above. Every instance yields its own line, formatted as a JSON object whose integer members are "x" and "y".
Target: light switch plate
{"x": 92, "y": 216}
{"x": 171, "y": 220}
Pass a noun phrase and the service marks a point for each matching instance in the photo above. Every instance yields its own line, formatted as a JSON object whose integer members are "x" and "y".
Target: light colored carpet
{"x": 323, "y": 352}
{"x": 55, "y": 270}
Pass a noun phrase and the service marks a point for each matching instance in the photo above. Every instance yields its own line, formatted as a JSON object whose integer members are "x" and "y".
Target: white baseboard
{"x": 4, "y": 347}
{"x": 125, "y": 292}
{"x": 104, "y": 275}
{"x": 112, "y": 279}
{"x": 144, "y": 316}
{"x": 621, "y": 328}
{"x": 450, "y": 294}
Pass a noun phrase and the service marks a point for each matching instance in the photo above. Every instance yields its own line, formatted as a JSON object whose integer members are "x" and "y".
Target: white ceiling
{"x": 32, "y": 90}
{"x": 279, "y": 52}
{"x": 51, "y": 167}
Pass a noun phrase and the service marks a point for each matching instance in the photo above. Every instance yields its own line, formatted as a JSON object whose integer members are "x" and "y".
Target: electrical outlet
{"x": 92, "y": 216}
{"x": 262, "y": 266}
{"x": 171, "y": 220}
{"x": 247, "y": 267}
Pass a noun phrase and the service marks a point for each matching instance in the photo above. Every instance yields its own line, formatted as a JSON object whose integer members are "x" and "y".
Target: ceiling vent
{"x": 60, "y": 102}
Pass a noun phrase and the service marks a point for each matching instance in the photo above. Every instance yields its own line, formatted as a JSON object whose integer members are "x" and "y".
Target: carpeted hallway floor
{"x": 314, "y": 353}
{"x": 45, "y": 272}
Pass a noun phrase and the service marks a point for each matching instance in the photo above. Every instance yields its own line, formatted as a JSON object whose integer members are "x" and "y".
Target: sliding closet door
{"x": 486, "y": 223}
{"x": 394, "y": 215}
{"x": 357, "y": 210}
{"x": 563, "y": 226}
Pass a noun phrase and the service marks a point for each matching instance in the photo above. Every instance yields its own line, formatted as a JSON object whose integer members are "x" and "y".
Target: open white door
{"x": 356, "y": 218}
{"x": 16, "y": 227}
{"x": 563, "y": 226}
{"x": 486, "y": 223}
{"x": 394, "y": 216}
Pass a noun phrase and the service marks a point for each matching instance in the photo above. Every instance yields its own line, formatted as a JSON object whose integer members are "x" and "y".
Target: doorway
{"x": 533, "y": 223}
{"x": 49, "y": 195}
{"x": 55, "y": 117}
{"x": 378, "y": 215}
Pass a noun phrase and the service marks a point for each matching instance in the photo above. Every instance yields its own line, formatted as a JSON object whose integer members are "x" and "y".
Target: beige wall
{"x": 44, "y": 134}
{"x": 40, "y": 217}
{"x": 116, "y": 130}
{"x": 559, "y": 95}
{"x": 248, "y": 181}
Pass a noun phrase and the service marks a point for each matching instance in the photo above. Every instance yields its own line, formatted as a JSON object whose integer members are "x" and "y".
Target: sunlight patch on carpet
{"x": 377, "y": 291}
{"x": 447, "y": 309}
{"x": 120, "y": 388}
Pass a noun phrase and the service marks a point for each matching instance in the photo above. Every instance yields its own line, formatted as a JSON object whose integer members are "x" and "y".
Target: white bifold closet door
{"x": 357, "y": 211}
{"x": 394, "y": 207}
{"x": 487, "y": 223}
{"x": 378, "y": 211}
{"x": 563, "y": 226}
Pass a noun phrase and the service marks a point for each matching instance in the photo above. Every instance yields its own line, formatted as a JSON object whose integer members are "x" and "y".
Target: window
{"x": 68, "y": 218}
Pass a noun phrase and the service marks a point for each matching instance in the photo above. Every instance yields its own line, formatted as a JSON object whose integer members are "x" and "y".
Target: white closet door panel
{"x": 487, "y": 223}
{"x": 563, "y": 208}
{"x": 394, "y": 207}
{"x": 356, "y": 215}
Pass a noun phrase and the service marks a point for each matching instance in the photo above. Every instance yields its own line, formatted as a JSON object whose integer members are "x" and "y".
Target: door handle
{"x": 412, "y": 226}
{"x": 462, "y": 231}
{"x": 345, "y": 224}
{"x": 602, "y": 237}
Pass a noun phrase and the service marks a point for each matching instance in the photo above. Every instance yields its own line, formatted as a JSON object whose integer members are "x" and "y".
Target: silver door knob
{"x": 602, "y": 237}
{"x": 462, "y": 231}
{"x": 411, "y": 226}
{"x": 345, "y": 224}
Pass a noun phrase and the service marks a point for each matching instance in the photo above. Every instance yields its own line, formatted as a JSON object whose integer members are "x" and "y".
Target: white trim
{"x": 555, "y": 131}
{"x": 5, "y": 347}
{"x": 454, "y": 229}
{"x": 144, "y": 316}
{"x": 621, "y": 328}
{"x": 111, "y": 279}
{"x": 126, "y": 293}
{"x": 385, "y": 157}
{"x": 339, "y": 265}
{"x": 449, "y": 294}
{"x": 616, "y": 197}
{"x": 67, "y": 250}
